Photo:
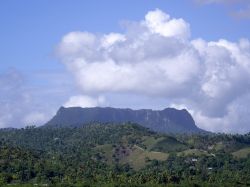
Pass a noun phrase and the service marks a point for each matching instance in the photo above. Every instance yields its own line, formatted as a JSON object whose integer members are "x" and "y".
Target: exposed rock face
{"x": 169, "y": 120}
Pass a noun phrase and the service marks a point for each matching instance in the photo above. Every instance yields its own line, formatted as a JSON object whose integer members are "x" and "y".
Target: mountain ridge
{"x": 168, "y": 120}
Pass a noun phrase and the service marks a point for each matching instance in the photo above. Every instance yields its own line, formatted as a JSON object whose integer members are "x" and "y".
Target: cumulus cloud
{"x": 84, "y": 101}
{"x": 128, "y": 62}
{"x": 161, "y": 23}
{"x": 157, "y": 58}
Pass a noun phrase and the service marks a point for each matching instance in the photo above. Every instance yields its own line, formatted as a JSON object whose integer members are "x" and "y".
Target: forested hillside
{"x": 128, "y": 154}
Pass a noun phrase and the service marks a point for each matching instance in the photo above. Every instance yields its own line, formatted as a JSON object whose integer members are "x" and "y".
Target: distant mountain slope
{"x": 169, "y": 120}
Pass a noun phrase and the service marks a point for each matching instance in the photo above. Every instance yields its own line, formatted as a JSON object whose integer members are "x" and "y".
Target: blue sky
{"x": 31, "y": 32}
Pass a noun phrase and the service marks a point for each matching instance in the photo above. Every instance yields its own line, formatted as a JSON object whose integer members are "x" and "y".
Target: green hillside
{"x": 242, "y": 153}
{"x": 128, "y": 154}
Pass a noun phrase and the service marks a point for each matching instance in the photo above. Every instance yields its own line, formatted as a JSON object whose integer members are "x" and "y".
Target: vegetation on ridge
{"x": 128, "y": 155}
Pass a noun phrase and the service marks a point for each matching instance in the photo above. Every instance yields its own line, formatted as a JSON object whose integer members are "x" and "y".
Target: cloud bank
{"x": 157, "y": 58}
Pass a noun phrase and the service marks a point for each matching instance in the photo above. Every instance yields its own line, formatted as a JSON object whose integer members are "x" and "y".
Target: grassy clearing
{"x": 150, "y": 141}
{"x": 107, "y": 150}
{"x": 242, "y": 153}
{"x": 194, "y": 152}
{"x": 137, "y": 157}
{"x": 218, "y": 146}
{"x": 168, "y": 144}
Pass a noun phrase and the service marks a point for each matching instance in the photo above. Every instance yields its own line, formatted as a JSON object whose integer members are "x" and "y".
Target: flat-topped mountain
{"x": 169, "y": 120}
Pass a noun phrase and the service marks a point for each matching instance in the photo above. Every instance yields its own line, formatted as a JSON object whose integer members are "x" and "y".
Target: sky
{"x": 192, "y": 54}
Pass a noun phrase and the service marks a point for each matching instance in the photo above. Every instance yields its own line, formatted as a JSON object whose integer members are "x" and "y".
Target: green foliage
{"x": 169, "y": 144}
{"x": 242, "y": 153}
{"x": 121, "y": 155}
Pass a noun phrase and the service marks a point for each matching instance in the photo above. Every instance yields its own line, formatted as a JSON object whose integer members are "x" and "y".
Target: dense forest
{"x": 121, "y": 155}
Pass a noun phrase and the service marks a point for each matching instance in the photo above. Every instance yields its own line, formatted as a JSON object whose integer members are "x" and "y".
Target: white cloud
{"x": 161, "y": 23}
{"x": 129, "y": 63}
{"x": 35, "y": 117}
{"x": 159, "y": 60}
{"x": 236, "y": 118}
{"x": 112, "y": 38}
{"x": 84, "y": 101}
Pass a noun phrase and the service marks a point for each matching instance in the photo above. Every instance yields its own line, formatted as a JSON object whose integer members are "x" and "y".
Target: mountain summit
{"x": 169, "y": 120}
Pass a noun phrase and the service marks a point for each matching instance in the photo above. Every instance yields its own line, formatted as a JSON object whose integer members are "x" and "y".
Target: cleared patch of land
{"x": 106, "y": 150}
{"x": 135, "y": 156}
{"x": 242, "y": 153}
{"x": 168, "y": 144}
{"x": 138, "y": 156}
{"x": 150, "y": 141}
{"x": 194, "y": 152}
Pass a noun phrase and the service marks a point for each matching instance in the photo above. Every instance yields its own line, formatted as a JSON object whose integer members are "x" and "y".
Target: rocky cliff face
{"x": 169, "y": 120}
